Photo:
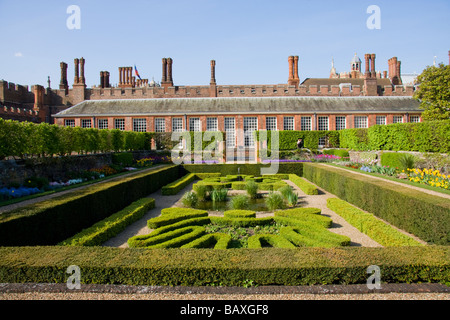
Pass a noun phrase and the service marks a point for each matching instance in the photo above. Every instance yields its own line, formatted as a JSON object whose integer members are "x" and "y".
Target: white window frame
{"x": 397, "y": 119}
{"x": 230, "y": 130}
{"x": 271, "y": 123}
{"x": 160, "y": 125}
{"x": 119, "y": 123}
{"x": 195, "y": 124}
{"x": 86, "y": 123}
{"x": 341, "y": 122}
{"x": 250, "y": 125}
{"x": 288, "y": 123}
{"x": 177, "y": 124}
{"x": 102, "y": 123}
{"x": 69, "y": 123}
{"x": 212, "y": 124}
{"x": 361, "y": 122}
{"x": 381, "y": 120}
{"x": 322, "y": 123}
{"x": 415, "y": 117}
{"x": 140, "y": 125}
{"x": 306, "y": 123}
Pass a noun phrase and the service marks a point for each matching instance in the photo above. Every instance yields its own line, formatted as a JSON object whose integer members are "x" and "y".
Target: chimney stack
{"x": 373, "y": 73}
{"x": 213, "y": 72}
{"x": 76, "y": 79}
{"x": 63, "y": 84}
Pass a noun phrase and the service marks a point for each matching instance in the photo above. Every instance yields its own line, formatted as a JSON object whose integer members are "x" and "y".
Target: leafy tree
{"x": 434, "y": 92}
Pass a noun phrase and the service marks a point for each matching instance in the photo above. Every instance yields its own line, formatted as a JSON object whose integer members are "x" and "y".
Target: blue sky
{"x": 249, "y": 39}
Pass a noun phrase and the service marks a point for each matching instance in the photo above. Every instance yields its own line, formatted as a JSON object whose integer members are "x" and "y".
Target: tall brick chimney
{"x": 291, "y": 70}
{"x": 77, "y": 69}
{"x": 164, "y": 70}
{"x": 373, "y": 73}
{"x": 213, "y": 72}
{"x": 167, "y": 80}
{"x": 63, "y": 84}
{"x": 212, "y": 82}
{"x": 367, "y": 62}
{"x": 296, "y": 77}
{"x": 82, "y": 79}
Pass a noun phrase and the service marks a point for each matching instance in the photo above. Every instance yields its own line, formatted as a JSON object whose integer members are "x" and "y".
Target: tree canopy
{"x": 434, "y": 92}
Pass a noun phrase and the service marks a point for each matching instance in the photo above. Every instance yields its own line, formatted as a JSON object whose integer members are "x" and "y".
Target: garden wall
{"x": 419, "y": 213}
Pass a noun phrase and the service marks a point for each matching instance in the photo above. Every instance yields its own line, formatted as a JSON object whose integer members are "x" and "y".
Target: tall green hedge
{"x": 417, "y": 212}
{"x": 288, "y": 139}
{"x": 26, "y": 139}
{"x": 51, "y": 221}
{"x": 430, "y": 136}
{"x": 194, "y": 267}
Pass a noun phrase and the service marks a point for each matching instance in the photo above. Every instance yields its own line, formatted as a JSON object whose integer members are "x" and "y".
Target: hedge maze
{"x": 187, "y": 228}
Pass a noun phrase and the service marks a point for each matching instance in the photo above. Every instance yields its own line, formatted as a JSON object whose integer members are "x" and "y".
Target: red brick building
{"x": 291, "y": 103}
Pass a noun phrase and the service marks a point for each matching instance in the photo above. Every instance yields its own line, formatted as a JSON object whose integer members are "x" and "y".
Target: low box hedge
{"x": 215, "y": 240}
{"x": 239, "y": 214}
{"x": 368, "y": 224}
{"x": 305, "y": 236}
{"x": 194, "y": 267}
{"x": 104, "y": 230}
{"x": 171, "y": 215}
{"x": 244, "y": 169}
{"x": 419, "y": 213}
{"x": 171, "y": 239}
{"x": 305, "y": 186}
{"x": 176, "y": 186}
{"x": 258, "y": 241}
{"x": 293, "y": 216}
{"x": 49, "y": 222}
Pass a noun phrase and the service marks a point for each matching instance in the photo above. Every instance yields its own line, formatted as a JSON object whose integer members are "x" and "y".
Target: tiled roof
{"x": 268, "y": 105}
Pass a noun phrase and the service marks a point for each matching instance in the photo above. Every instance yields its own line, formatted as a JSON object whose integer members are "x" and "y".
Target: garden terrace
{"x": 39, "y": 261}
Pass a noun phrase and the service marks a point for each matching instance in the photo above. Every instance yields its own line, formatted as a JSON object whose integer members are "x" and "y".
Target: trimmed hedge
{"x": 27, "y": 139}
{"x": 297, "y": 216}
{"x": 337, "y": 152}
{"x": 307, "y": 236}
{"x": 288, "y": 139}
{"x": 176, "y": 186}
{"x": 171, "y": 239}
{"x": 51, "y": 221}
{"x": 429, "y": 136}
{"x": 417, "y": 212}
{"x": 305, "y": 186}
{"x": 239, "y": 214}
{"x": 216, "y": 240}
{"x": 376, "y": 229}
{"x": 193, "y": 267}
{"x": 110, "y": 227}
{"x": 245, "y": 168}
{"x": 258, "y": 241}
{"x": 172, "y": 215}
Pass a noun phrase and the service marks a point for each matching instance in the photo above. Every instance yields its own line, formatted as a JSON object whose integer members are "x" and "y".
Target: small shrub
{"x": 407, "y": 161}
{"x": 239, "y": 202}
{"x": 292, "y": 199}
{"x": 252, "y": 189}
{"x": 202, "y": 192}
{"x": 275, "y": 201}
{"x": 219, "y": 195}
{"x": 190, "y": 199}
